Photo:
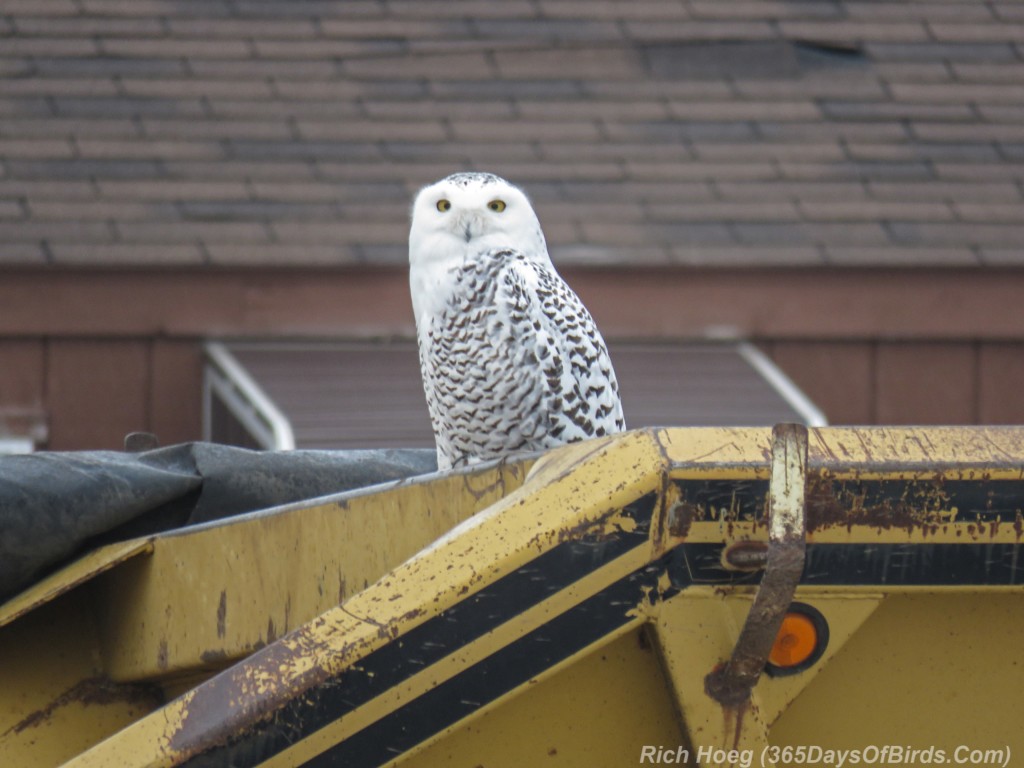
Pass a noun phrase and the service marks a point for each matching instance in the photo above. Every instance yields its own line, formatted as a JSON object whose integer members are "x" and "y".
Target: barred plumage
{"x": 511, "y": 359}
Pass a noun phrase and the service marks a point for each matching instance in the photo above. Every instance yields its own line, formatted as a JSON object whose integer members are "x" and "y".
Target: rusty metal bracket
{"x": 730, "y": 684}
{"x": 137, "y": 442}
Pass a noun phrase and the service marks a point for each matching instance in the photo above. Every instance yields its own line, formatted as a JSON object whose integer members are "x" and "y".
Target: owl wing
{"x": 563, "y": 352}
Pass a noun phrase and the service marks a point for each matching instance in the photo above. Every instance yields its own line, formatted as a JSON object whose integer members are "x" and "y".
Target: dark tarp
{"x": 53, "y": 505}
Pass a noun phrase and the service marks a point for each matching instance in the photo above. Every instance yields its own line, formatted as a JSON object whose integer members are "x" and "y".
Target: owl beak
{"x": 469, "y": 226}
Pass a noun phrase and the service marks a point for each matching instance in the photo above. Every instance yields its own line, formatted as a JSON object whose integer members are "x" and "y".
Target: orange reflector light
{"x": 796, "y": 642}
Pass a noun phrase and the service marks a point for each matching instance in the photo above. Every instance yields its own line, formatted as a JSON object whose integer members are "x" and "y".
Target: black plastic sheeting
{"x": 54, "y": 505}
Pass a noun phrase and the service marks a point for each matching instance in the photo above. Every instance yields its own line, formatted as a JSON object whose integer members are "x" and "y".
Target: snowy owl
{"x": 511, "y": 359}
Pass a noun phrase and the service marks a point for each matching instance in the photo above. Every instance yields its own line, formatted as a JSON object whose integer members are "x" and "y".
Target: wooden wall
{"x": 94, "y": 391}
{"x": 900, "y": 382}
{"x": 104, "y": 353}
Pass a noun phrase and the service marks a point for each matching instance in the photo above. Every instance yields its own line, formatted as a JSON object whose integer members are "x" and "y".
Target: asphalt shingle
{"x": 748, "y": 133}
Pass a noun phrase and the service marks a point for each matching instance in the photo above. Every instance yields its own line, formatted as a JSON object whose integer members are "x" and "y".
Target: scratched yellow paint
{"x": 225, "y": 597}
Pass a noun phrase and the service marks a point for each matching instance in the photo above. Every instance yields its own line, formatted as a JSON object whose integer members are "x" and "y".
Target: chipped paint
{"x": 93, "y": 691}
{"x": 909, "y": 502}
{"x": 637, "y": 521}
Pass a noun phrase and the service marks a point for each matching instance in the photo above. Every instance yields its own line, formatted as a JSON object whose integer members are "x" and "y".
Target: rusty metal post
{"x": 731, "y": 683}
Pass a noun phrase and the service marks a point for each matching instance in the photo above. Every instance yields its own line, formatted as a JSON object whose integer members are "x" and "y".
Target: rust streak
{"x": 681, "y": 516}
{"x": 94, "y": 691}
{"x": 222, "y": 613}
{"x": 832, "y": 503}
{"x": 665, "y": 509}
{"x": 824, "y": 446}
{"x": 214, "y": 657}
{"x": 244, "y": 695}
{"x": 162, "y": 655}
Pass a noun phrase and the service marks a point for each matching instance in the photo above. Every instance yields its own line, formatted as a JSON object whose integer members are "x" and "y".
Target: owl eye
{"x": 496, "y": 205}
{"x": 444, "y": 205}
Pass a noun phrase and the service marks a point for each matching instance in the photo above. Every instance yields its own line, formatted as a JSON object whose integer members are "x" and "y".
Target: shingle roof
{"x": 741, "y": 133}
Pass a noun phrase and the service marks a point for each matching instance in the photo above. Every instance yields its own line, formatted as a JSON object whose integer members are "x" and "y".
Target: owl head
{"x": 469, "y": 213}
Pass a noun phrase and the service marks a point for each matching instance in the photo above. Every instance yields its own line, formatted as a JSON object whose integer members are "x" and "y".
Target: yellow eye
{"x": 496, "y": 205}
{"x": 443, "y": 205}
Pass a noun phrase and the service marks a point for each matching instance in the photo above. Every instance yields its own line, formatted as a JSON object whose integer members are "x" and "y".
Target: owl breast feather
{"x": 513, "y": 362}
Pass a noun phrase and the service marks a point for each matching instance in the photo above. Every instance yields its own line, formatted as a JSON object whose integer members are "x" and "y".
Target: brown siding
{"x": 94, "y": 391}
{"x": 194, "y": 303}
{"x": 932, "y": 383}
{"x": 791, "y": 304}
{"x": 837, "y": 376}
{"x": 105, "y": 353}
{"x": 22, "y": 373}
{"x": 1001, "y": 383}
{"x": 908, "y": 382}
{"x": 175, "y": 391}
{"x": 97, "y": 392}
{"x": 22, "y": 389}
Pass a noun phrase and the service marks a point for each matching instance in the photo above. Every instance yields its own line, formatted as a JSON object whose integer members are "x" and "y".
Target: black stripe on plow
{"x": 426, "y": 644}
{"x": 510, "y": 667}
{"x": 871, "y": 565}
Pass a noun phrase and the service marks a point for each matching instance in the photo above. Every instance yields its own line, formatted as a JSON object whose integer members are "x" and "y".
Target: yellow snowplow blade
{"x": 596, "y": 612}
